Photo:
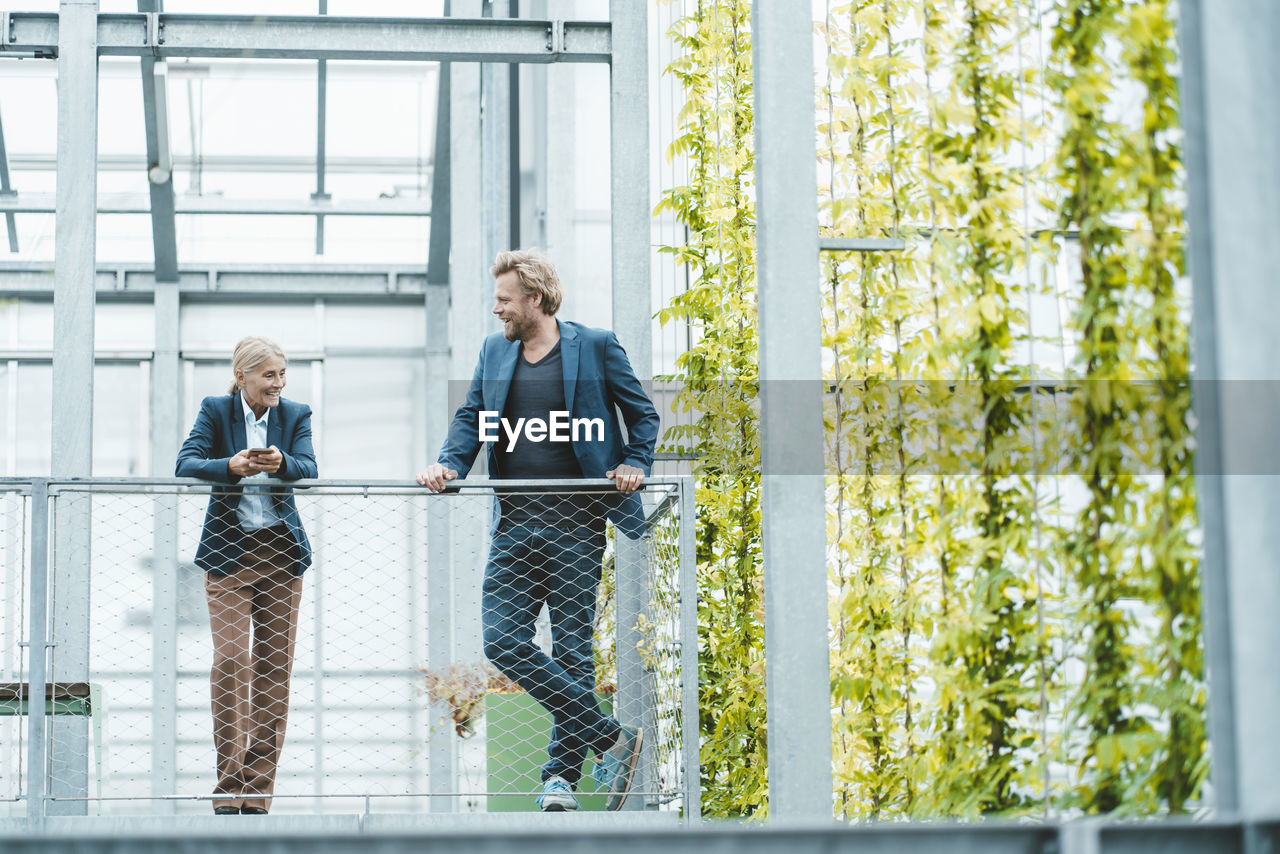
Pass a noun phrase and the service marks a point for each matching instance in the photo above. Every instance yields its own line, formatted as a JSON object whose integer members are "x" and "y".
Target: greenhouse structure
{"x": 947, "y": 533}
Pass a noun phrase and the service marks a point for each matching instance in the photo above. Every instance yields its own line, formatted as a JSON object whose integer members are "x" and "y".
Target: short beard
{"x": 518, "y": 330}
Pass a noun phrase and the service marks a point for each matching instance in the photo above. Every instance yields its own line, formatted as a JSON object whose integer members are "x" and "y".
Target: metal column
{"x": 470, "y": 298}
{"x": 73, "y": 316}
{"x": 442, "y": 747}
{"x": 155, "y": 111}
{"x": 442, "y": 776}
{"x": 10, "y": 221}
{"x": 689, "y": 736}
{"x": 794, "y": 511}
{"x": 633, "y": 324}
{"x": 38, "y": 657}
{"x": 558, "y": 148}
{"x": 629, "y": 171}
{"x": 166, "y": 397}
{"x": 495, "y": 149}
{"x": 1231, "y": 72}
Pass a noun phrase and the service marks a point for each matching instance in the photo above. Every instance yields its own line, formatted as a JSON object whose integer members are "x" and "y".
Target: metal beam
{"x": 155, "y": 113}
{"x": 633, "y": 324}
{"x": 440, "y": 237}
{"x": 35, "y": 280}
{"x": 324, "y": 37}
{"x": 6, "y": 189}
{"x": 627, "y": 834}
{"x": 351, "y": 165}
{"x": 513, "y": 141}
{"x": 495, "y": 149}
{"x": 442, "y": 752}
{"x": 38, "y": 655}
{"x": 791, "y": 417}
{"x": 1210, "y": 494}
{"x": 1230, "y": 74}
{"x": 861, "y": 244}
{"x": 470, "y": 298}
{"x": 75, "y": 232}
{"x": 136, "y": 203}
{"x": 629, "y": 188}
{"x": 155, "y": 109}
{"x": 166, "y": 429}
{"x": 322, "y": 102}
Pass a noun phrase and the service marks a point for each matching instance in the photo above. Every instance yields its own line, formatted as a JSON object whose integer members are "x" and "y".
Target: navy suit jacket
{"x": 598, "y": 383}
{"x": 217, "y": 436}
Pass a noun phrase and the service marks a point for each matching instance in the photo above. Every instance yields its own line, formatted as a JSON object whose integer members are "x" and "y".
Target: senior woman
{"x": 253, "y": 551}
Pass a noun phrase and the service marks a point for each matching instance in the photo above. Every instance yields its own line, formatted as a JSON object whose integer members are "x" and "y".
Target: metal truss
{"x": 165, "y": 35}
{"x": 34, "y": 280}
{"x": 139, "y": 203}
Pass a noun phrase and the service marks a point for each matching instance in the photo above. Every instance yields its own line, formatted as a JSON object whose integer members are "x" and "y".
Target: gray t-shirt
{"x": 537, "y": 390}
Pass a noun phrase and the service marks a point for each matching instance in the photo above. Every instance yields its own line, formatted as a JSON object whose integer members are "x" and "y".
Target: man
{"x": 545, "y": 397}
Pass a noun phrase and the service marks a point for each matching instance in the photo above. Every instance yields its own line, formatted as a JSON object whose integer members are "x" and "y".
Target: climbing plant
{"x": 992, "y": 644}
{"x": 719, "y": 384}
{"x": 1175, "y": 684}
{"x": 1139, "y": 709}
{"x": 1013, "y": 631}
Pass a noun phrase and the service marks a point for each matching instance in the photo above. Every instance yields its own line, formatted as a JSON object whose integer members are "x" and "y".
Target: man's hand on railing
{"x": 628, "y": 478}
{"x": 434, "y": 476}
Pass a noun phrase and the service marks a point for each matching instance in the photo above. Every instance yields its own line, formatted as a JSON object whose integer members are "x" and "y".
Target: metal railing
{"x": 392, "y": 705}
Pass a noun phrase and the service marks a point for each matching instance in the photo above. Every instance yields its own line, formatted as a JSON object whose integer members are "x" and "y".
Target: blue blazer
{"x": 217, "y": 436}
{"x": 598, "y": 383}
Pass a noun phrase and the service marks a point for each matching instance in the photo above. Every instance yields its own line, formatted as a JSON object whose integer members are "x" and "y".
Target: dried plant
{"x": 461, "y": 687}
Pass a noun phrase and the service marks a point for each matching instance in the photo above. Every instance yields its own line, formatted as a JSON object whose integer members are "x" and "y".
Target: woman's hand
{"x": 244, "y": 465}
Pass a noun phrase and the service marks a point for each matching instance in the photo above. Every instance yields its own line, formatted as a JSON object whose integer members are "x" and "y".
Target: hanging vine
{"x": 719, "y": 377}
{"x": 998, "y": 643}
{"x": 957, "y": 613}
{"x": 1100, "y": 547}
{"x": 867, "y": 729}
{"x": 1174, "y": 683}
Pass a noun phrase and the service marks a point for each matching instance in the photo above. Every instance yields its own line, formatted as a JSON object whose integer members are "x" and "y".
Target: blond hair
{"x": 536, "y": 273}
{"x": 249, "y": 354}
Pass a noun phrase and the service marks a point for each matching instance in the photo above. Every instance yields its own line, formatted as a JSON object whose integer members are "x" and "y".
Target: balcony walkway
{"x": 619, "y": 833}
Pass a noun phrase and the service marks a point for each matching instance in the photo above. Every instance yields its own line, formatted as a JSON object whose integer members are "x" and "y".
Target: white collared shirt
{"x": 256, "y": 509}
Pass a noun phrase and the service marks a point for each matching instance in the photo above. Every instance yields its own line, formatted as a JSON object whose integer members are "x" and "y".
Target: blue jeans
{"x": 528, "y": 566}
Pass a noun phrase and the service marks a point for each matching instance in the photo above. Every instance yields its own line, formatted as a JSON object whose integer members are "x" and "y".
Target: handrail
{"x": 475, "y": 483}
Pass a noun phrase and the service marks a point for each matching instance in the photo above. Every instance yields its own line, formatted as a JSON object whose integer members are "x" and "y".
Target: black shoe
{"x": 226, "y": 810}
{"x": 252, "y": 811}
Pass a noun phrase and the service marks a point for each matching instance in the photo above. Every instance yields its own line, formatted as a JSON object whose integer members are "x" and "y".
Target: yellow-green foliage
{"x": 1014, "y": 602}
{"x": 1138, "y": 716}
{"x": 720, "y": 384}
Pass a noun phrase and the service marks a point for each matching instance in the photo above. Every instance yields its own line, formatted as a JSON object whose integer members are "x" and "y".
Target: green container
{"x": 518, "y": 731}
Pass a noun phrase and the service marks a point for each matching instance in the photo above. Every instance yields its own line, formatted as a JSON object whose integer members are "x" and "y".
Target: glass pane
{"x": 372, "y": 417}
{"x": 8, "y": 463}
{"x": 124, "y": 326}
{"x": 122, "y": 421}
{"x": 348, "y": 325}
{"x": 215, "y": 328}
{"x": 35, "y": 426}
{"x": 34, "y": 325}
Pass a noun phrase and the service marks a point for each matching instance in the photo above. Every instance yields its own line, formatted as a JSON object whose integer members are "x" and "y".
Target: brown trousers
{"x": 253, "y": 613}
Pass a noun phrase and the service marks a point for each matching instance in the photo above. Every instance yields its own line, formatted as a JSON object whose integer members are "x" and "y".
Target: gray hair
{"x": 249, "y": 354}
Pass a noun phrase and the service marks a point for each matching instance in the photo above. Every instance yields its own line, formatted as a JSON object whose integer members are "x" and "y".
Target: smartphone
{"x": 259, "y": 452}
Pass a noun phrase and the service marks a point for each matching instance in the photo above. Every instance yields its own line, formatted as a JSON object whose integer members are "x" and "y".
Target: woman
{"x": 253, "y": 551}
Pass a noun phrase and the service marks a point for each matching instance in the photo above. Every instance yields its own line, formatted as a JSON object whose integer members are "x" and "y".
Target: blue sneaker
{"x": 557, "y": 796}
{"x": 617, "y": 767}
